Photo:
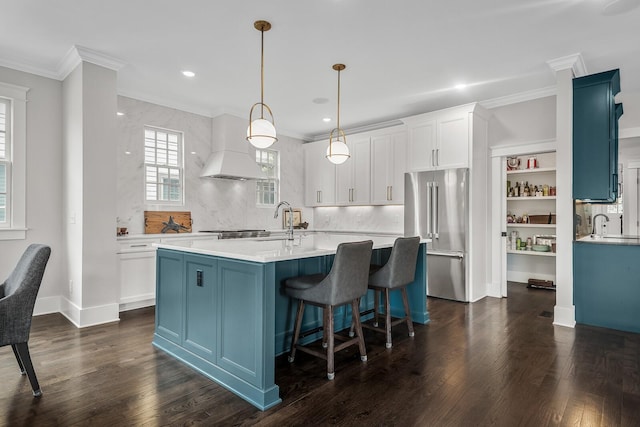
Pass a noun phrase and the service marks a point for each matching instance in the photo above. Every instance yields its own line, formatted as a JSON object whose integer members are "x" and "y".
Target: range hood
{"x": 230, "y": 157}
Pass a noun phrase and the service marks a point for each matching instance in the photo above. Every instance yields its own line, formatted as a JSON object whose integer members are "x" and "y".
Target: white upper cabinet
{"x": 319, "y": 175}
{"x": 388, "y": 165}
{"x": 442, "y": 139}
{"x": 353, "y": 184}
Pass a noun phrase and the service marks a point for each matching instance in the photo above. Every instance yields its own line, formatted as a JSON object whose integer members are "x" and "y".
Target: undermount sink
{"x": 610, "y": 238}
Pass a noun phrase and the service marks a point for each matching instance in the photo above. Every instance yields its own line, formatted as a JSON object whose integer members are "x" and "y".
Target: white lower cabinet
{"x": 137, "y": 261}
{"x": 137, "y": 266}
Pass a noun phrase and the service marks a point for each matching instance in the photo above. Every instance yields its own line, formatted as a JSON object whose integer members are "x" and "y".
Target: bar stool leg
{"x": 358, "y": 326}
{"x": 407, "y": 311}
{"x": 376, "y": 302}
{"x": 325, "y": 322}
{"x": 296, "y": 331}
{"x": 330, "y": 349}
{"x": 387, "y": 321}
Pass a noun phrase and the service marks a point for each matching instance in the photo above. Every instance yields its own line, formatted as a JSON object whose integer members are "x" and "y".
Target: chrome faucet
{"x": 593, "y": 232}
{"x": 275, "y": 215}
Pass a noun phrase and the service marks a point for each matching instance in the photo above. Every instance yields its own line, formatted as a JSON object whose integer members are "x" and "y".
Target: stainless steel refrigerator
{"x": 437, "y": 207}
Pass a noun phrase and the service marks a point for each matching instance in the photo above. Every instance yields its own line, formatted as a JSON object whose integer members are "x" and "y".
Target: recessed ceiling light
{"x": 320, "y": 100}
{"x": 188, "y": 73}
{"x": 120, "y": 113}
{"x": 460, "y": 86}
{"x": 326, "y": 119}
{"x": 127, "y": 152}
{"x": 194, "y": 153}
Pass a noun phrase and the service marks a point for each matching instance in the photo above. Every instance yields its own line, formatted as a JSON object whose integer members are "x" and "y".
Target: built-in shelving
{"x": 536, "y": 170}
{"x": 532, "y": 253}
{"x": 524, "y": 265}
{"x": 531, "y": 199}
{"x": 521, "y": 225}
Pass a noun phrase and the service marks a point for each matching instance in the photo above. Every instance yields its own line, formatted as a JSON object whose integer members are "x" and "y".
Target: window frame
{"x": 156, "y": 165}
{"x": 15, "y": 226}
{"x": 259, "y": 194}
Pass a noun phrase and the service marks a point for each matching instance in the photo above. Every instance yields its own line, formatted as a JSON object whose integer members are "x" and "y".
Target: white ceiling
{"x": 403, "y": 57}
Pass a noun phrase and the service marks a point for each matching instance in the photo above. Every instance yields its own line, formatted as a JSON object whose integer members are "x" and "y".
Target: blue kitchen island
{"x": 220, "y": 308}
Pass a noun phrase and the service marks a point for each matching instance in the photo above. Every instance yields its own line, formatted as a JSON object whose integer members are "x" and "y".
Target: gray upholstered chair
{"x": 346, "y": 283}
{"x": 397, "y": 273}
{"x": 17, "y": 298}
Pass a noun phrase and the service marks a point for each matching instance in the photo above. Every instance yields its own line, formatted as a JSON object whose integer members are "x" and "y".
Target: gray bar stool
{"x": 346, "y": 283}
{"x": 397, "y": 273}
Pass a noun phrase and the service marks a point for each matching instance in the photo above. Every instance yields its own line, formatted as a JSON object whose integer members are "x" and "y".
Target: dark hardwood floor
{"x": 494, "y": 362}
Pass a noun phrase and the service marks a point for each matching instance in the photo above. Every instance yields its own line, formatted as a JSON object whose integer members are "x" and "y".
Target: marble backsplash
{"x": 387, "y": 219}
{"x": 214, "y": 203}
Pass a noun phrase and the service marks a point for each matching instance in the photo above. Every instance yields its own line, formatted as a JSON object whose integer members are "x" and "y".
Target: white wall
{"x": 89, "y": 94}
{"x": 523, "y": 122}
{"x": 213, "y": 203}
{"x": 44, "y": 184}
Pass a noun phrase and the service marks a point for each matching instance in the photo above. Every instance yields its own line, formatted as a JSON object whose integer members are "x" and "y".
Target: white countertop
{"x": 611, "y": 239}
{"x": 269, "y": 249}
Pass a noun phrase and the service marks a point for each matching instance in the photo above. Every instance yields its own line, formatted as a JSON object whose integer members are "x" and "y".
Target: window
{"x": 163, "y": 166}
{"x": 5, "y": 161}
{"x": 13, "y": 168}
{"x": 267, "y": 189}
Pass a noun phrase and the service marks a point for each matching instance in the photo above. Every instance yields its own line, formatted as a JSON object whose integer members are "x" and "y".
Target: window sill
{"x": 13, "y": 233}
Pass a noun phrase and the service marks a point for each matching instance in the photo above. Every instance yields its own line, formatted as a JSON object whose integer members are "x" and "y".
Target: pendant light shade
{"x": 338, "y": 151}
{"x": 261, "y": 132}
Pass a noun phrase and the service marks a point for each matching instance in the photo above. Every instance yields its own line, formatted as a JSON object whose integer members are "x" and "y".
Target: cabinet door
{"x": 388, "y": 163}
{"x": 353, "y": 184}
{"x": 320, "y": 175}
{"x": 137, "y": 278}
{"x": 422, "y": 146}
{"x": 241, "y": 310}
{"x": 170, "y": 295}
{"x": 452, "y": 150}
{"x": 200, "y": 319}
{"x": 595, "y": 139}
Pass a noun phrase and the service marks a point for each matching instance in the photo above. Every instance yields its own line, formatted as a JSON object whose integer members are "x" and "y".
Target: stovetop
{"x": 237, "y": 234}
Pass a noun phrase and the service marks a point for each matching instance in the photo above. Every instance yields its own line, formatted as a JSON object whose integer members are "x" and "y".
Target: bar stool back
{"x": 346, "y": 283}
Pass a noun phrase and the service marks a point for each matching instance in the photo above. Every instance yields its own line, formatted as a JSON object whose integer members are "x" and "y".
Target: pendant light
{"x": 261, "y": 132}
{"x": 337, "y": 151}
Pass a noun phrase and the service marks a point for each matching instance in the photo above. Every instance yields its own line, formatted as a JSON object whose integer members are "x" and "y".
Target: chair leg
{"x": 296, "y": 331}
{"x": 325, "y": 322}
{"x": 330, "y": 338}
{"x": 23, "y": 352}
{"x": 353, "y": 324}
{"x": 376, "y": 302}
{"x": 358, "y": 326}
{"x": 407, "y": 311}
{"x": 387, "y": 321}
{"x": 15, "y": 352}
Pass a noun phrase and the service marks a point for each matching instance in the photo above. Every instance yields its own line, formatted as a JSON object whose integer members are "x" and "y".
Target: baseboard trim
{"x": 564, "y": 316}
{"x": 46, "y": 305}
{"x": 90, "y": 316}
{"x": 137, "y": 302}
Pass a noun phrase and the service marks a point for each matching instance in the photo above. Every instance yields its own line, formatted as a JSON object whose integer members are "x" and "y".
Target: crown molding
{"x": 573, "y": 62}
{"x": 519, "y": 97}
{"x": 38, "y": 71}
{"x": 78, "y": 54}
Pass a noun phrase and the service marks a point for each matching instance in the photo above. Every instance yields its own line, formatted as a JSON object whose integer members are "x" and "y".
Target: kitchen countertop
{"x": 611, "y": 239}
{"x": 272, "y": 249}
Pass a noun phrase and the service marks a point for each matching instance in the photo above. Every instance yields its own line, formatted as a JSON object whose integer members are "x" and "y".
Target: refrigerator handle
{"x": 429, "y": 211}
{"x": 436, "y": 211}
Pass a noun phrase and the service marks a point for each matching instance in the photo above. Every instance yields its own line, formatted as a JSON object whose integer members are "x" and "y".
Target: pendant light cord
{"x": 262, "y": 74}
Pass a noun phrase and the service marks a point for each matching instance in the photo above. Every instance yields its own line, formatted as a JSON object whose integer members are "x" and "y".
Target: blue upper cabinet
{"x": 595, "y": 136}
